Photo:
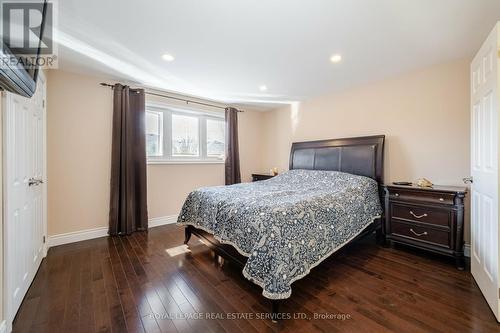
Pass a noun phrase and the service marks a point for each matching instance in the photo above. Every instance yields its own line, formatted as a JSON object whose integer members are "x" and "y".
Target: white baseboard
{"x": 467, "y": 250}
{"x": 77, "y": 236}
{"x": 162, "y": 220}
{"x": 3, "y": 326}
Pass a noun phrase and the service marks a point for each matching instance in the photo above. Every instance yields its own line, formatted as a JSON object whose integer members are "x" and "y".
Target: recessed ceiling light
{"x": 262, "y": 88}
{"x": 168, "y": 57}
{"x": 336, "y": 58}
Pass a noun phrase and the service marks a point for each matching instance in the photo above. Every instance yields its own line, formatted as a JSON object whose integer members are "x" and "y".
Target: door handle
{"x": 468, "y": 180}
{"x": 34, "y": 182}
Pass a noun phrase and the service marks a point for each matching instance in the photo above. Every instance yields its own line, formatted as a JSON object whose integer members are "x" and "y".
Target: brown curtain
{"x": 128, "y": 205}
{"x": 233, "y": 175}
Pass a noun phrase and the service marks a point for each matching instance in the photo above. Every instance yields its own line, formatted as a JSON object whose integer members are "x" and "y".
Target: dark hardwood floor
{"x": 132, "y": 284}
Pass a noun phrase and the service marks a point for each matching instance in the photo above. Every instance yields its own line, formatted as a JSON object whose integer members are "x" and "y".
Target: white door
{"x": 484, "y": 164}
{"x": 24, "y": 193}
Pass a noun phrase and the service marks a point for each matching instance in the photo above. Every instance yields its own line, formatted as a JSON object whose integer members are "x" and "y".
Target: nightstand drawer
{"x": 425, "y": 196}
{"x": 419, "y": 233}
{"x": 436, "y": 216}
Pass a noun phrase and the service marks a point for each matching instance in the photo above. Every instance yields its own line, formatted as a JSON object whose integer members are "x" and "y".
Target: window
{"x": 154, "y": 133}
{"x": 215, "y": 138}
{"x": 175, "y": 135}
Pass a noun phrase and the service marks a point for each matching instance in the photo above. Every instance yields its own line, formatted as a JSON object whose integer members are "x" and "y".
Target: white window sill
{"x": 154, "y": 162}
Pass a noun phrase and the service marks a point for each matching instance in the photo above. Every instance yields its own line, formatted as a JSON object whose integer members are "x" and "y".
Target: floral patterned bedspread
{"x": 285, "y": 225}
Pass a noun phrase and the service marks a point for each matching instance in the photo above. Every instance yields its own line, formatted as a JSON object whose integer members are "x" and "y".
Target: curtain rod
{"x": 172, "y": 97}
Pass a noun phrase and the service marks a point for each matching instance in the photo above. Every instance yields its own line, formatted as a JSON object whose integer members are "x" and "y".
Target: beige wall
{"x": 78, "y": 152}
{"x": 79, "y": 114}
{"x": 168, "y": 185}
{"x": 424, "y": 115}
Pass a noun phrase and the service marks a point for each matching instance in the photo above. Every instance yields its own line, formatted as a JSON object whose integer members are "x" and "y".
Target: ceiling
{"x": 226, "y": 49}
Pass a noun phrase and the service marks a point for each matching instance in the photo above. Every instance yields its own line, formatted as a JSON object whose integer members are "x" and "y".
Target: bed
{"x": 279, "y": 229}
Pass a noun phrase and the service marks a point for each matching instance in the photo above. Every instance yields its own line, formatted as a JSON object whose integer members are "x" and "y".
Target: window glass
{"x": 154, "y": 133}
{"x": 185, "y": 135}
{"x": 215, "y": 138}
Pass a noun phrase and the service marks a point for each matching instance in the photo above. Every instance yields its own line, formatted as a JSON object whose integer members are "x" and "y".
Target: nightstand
{"x": 427, "y": 218}
{"x": 258, "y": 176}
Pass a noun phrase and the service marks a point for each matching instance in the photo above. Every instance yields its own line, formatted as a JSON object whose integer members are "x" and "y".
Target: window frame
{"x": 202, "y": 116}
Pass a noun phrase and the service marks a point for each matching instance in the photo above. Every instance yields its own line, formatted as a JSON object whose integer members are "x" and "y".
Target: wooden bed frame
{"x": 360, "y": 156}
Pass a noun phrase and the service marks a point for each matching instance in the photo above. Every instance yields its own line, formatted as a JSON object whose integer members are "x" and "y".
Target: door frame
{"x": 8, "y": 316}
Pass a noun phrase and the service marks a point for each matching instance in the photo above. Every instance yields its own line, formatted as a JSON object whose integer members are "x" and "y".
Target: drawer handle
{"x": 396, "y": 194}
{"x": 417, "y": 216}
{"x": 417, "y": 234}
{"x": 441, "y": 199}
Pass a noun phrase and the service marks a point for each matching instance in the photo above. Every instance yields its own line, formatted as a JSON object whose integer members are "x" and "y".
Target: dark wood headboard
{"x": 362, "y": 156}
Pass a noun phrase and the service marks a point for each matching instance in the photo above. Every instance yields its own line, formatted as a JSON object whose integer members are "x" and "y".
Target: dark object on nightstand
{"x": 403, "y": 183}
{"x": 258, "y": 176}
{"x": 427, "y": 218}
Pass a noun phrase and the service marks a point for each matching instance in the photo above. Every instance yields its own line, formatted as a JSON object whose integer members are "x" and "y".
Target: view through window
{"x": 185, "y": 135}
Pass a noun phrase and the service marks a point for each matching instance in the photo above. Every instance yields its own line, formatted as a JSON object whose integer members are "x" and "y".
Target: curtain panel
{"x": 128, "y": 199}
{"x": 232, "y": 163}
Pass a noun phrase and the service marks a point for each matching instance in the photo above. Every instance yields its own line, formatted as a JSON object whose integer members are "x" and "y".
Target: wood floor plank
{"x": 118, "y": 322}
{"x": 102, "y": 321}
{"x": 129, "y": 306}
{"x": 86, "y": 319}
{"x": 131, "y": 284}
{"x": 73, "y": 297}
